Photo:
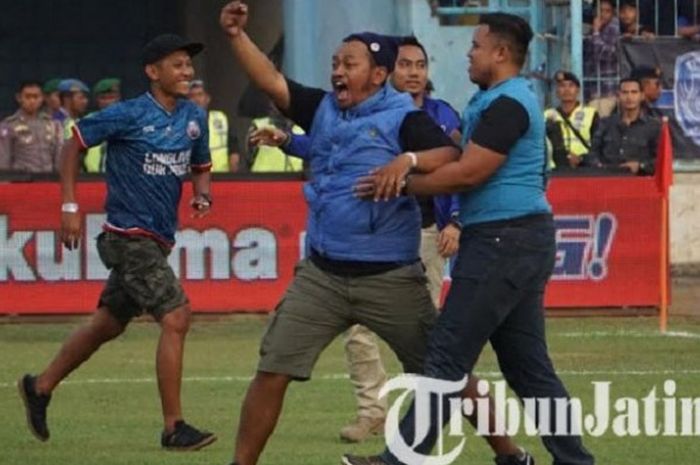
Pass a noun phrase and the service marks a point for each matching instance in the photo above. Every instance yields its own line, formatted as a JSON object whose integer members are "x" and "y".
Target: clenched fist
{"x": 234, "y": 18}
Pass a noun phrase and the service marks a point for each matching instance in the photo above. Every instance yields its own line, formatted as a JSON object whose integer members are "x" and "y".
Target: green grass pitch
{"x": 108, "y": 412}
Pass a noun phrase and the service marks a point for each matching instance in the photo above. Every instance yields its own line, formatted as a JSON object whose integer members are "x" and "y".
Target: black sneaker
{"x": 186, "y": 437}
{"x": 358, "y": 460}
{"x": 34, "y": 406}
{"x": 524, "y": 459}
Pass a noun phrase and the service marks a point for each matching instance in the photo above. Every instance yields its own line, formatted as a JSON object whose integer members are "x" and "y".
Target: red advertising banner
{"x": 608, "y": 242}
{"x": 242, "y": 256}
{"x": 239, "y": 258}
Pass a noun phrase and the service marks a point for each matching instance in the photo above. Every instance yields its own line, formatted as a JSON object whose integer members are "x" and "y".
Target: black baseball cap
{"x": 165, "y": 44}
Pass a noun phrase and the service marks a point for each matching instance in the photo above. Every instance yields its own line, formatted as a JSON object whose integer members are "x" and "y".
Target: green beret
{"x": 104, "y": 86}
{"x": 51, "y": 85}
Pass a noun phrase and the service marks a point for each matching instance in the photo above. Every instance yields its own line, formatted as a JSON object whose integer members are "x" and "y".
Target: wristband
{"x": 70, "y": 207}
{"x": 413, "y": 157}
{"x": 206, "y": 197}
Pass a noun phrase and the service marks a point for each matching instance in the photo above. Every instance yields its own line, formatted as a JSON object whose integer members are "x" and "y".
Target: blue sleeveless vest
{"x": 518, "y": 187}
{"x": 346, "y": 145}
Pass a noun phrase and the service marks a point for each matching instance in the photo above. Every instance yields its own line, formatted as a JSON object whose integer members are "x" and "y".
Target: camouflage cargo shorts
{"x": 140, "y": 279}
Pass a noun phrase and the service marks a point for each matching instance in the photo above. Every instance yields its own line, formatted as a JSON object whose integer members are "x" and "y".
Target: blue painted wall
{"x": 314, "y": 28}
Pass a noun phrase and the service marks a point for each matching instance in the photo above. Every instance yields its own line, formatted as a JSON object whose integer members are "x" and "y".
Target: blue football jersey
{"x": 443, "y": 114}
{"x": 149, "y": 152}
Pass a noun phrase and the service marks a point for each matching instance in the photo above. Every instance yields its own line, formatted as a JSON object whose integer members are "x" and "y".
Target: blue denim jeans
{"x": 497, "y": 295}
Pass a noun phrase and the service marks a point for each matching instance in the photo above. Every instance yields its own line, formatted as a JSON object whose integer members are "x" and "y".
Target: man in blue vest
{"x": 439, "y": 238}
{"x": 506, "y": 251}
{"x": 363, "y": 265}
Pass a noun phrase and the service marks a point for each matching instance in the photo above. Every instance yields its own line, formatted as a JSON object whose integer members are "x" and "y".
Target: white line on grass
{"x": 627, "y": 333}
{"x": 343, "y": 376}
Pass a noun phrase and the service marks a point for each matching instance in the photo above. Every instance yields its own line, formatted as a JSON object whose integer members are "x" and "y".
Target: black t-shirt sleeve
{"x": 419, "y": 132}
{"x": 303, "y": 103}
{"x": 501, "y": 125}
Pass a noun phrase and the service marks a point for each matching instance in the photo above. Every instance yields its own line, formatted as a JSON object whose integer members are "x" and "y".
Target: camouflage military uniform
{"x": 30, "y": 144}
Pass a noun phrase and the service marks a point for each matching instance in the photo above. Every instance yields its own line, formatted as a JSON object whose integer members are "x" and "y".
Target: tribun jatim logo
{"x": 584, "y": 243}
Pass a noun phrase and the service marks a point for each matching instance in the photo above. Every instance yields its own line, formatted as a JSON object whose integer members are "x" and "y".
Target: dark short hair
{"x": 628, "y": 4}
{"x": 612, "y": 3}
{"x": 629, "y": 79}
{"x": 29, "y": 83}
{"x": 412, "y": 41}
{"x": 512, "y": 29}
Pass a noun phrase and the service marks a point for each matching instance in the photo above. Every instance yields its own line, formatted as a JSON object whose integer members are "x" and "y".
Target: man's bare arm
{"x": 257, "y": 66}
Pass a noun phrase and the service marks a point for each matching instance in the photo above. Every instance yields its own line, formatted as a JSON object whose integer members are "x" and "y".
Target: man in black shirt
{"x": 628, "y": 139}
{"x": 649, "y": 78}
{"x": 363, "y": 265}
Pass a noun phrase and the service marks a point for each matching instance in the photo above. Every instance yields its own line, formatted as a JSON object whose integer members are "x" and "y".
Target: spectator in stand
{"x": 223, "y": 143}
{"x": 688, "y": 26}
{"x": 106, "y": 92}
{"x": 52, "y": 99}
{"x": 629, "y": 20}
{"x": 74, "y": 102}
{"x": 571, "y": 125}
{"x": 600, "y": 59}
{"x": 650, "y": 80}
{"x": 30, "y": 140}
{"x": 660, "y": 16}
{"x": 628, "y": 139}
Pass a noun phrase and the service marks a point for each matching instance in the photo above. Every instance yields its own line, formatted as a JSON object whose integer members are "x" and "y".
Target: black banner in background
{"x": 679, "y": 61}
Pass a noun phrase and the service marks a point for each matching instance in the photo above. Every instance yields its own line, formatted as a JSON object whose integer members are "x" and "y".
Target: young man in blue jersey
{"x": 154, "y": 141}
{"x": 507, "y": 248}
{"x": 363, "y": 265}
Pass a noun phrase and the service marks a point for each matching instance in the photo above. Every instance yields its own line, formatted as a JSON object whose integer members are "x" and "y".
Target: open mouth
{"x": 341, "y": 91}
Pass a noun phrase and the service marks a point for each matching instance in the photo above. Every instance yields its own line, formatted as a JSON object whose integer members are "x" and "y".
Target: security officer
{"x": 105, "y": 92}
{"x": 223, "y": 144}
{"x": 74, "y": 102}
{"x": 267, "y": 159}
{"x": 30, "y": 140}
{"x": 571, "y": 125}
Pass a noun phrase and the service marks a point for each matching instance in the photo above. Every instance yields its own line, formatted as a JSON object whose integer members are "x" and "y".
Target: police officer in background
{"x": 30, "y": 140}
{"x": 223, "y": 143}
{"x": 105, "y": 92}
{"x": 571, "y": 125}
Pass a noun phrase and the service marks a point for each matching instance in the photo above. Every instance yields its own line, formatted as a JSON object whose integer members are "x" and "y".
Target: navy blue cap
{"x": 73, "y": 85}
{"x": 165, "y": 44}
{"x": 384, "y": 49}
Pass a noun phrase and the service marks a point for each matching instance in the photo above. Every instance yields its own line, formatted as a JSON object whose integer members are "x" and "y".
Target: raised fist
{"x": 234, "y": 18}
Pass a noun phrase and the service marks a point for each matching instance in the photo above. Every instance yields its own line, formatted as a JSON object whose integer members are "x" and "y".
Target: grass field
{"x": 108, "y": 412}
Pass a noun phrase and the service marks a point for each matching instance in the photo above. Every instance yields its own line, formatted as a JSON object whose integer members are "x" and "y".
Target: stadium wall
{"x": 685, "y": 223}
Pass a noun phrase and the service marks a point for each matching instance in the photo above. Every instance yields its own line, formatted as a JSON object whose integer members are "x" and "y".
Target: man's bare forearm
{"x": 261, "y": 70}
{"x": 201, "y": 183}
{"x": 430, "y": 160}
{"x": 70, "y": 163}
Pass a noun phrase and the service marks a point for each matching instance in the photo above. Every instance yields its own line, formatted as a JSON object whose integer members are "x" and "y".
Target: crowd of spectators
{"x": 615, "y": 129}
